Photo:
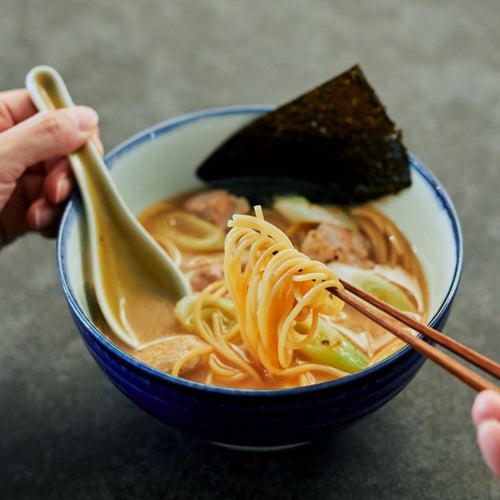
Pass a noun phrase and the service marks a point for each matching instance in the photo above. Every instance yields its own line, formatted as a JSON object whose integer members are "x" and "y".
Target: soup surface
{"x": 359, "y": 244}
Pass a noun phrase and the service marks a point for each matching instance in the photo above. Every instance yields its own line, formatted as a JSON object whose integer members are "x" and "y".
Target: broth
{"x": 369, "y": 246}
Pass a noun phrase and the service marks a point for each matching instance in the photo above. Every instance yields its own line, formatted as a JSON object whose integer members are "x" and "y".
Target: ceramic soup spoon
{"x": 135, "y": 280}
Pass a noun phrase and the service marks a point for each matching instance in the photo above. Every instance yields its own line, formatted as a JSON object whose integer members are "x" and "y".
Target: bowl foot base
{"x": 258, "y": 448}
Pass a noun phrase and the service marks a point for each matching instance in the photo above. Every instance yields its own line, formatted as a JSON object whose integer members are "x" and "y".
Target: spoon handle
{"x": 47, "y": 89}
{"x": 99, "y": 193}
{"x": 48, "y": 92}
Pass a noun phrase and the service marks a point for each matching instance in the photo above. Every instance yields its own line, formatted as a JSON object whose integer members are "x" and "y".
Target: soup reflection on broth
{"x": 260, "y": 315}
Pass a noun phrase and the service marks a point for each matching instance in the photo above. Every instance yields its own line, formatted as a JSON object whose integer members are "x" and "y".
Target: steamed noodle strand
{"x": 280, "y": 285}
{"x": 211, "y": 333}
{"x": 392, "y": 248}
{"x": 272, "y": 286}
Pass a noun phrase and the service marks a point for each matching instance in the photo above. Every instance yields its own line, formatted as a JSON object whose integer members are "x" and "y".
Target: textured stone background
{"x": 65, "y": 432}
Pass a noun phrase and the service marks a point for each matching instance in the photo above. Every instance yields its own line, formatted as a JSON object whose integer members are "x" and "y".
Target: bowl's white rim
{"x": 169, "y": 125}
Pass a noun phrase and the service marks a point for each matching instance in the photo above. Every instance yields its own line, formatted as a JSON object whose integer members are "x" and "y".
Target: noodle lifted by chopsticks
{"x": 277, "y": 286}
{"x": 272, "y": 286}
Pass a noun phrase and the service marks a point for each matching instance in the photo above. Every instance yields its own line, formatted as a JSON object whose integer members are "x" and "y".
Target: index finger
{"x": 15, "y": 107}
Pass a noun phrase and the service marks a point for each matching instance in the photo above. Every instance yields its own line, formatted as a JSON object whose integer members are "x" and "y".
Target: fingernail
{"x": 86, "y": 118}
{"x": 63, "y": 189}
{"x": 43, "y": 216}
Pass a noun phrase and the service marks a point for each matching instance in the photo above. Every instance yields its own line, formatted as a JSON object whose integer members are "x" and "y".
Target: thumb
{"x": 46, "y": 135}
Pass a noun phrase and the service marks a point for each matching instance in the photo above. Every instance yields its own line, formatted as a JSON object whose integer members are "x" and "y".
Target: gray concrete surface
{"x": 65, "y": 432}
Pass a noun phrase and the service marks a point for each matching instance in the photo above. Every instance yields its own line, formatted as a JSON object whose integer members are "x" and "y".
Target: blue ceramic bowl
{"x": 161, "y": 161}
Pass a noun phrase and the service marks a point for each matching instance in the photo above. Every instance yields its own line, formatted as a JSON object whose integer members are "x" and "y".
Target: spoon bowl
{"x": 125, "y": 260}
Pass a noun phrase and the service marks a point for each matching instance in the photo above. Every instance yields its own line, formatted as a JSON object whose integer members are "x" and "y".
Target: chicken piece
{"x": 298, "y": 231}
{"x": 217, "y": 206}
{"x": 329, "y": 242}
{"x": 165, "y": 354}
{"x": 202, "y": 276}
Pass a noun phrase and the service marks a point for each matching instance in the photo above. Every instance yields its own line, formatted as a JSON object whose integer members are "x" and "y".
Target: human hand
{"x": 35, "y": 175}
{"x": 486, "y": 418}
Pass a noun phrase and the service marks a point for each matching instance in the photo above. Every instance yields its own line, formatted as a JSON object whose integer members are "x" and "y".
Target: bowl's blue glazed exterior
{"x": 244, "y": 418}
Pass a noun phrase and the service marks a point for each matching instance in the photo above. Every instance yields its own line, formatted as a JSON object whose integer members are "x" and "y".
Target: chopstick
{"x": 463, "y": 351}
{"x": 468, "y": 376}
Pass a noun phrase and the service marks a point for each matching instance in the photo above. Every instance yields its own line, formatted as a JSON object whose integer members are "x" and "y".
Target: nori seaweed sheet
{"x": 336, "y": 139}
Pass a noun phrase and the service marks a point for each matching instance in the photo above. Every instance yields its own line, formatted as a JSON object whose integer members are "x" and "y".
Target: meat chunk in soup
{"x": 165, "y": 354}
{"x": 328, "y": 242}
{"x": 202, "y": 276}
{"x": 217, "y": 206}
